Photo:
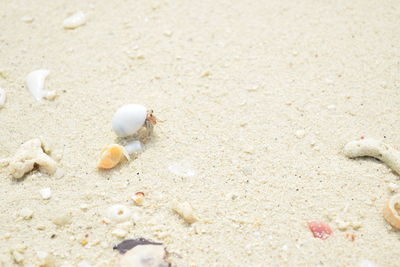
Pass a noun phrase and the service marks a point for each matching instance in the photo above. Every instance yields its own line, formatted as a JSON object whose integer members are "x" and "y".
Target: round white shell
{"x": 129, "y": 119}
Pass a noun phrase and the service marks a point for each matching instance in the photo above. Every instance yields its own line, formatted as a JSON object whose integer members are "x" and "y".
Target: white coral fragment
{"x": 185, "y": 210}
{"x": 27, "y": 156}
{"x": 376, "y": 149}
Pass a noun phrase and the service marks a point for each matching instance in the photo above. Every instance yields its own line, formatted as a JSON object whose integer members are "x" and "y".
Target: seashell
{"x": 111, "y": 155}
{"x": 128, "y": 119}
{"x": 391, "y": 211}
{"x": 74, "y": 21}
{"x": 35, "y": 83}
{"x": 142, "y": 253}
{"x": 2, "y": 97}
{"x": 118, "y": 213}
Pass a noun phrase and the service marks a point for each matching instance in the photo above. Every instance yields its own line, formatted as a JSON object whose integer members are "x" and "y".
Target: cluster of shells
{"x": 127, "y": 121}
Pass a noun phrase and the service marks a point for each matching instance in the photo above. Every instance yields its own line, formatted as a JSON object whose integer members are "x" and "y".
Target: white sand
{"x": 235, "y": 81}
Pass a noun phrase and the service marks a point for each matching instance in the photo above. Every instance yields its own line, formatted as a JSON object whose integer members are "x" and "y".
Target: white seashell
{"x": 129, "y": 119}
{"x": 74, "y": 21}
{"x": 133, "y": 147}
{"x": 2, "y": 97}
{"x": 118, "y": 213}
{"x": 144, "y": 256}
{"x": 35, "y": 83}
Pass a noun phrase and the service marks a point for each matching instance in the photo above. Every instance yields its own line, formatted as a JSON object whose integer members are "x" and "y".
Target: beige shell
{"x": 110, "y": 156}
{"x": 391, "y": 212}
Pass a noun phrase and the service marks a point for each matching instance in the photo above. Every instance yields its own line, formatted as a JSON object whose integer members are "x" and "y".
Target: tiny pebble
{"x": 45, "y": 193}
{"x": 331, "y": 107}
{"x": 342, "y": 225}
{"x": 63, "y": 219}
{"x": 26, "y": 213}
{"x": 300, "y": 133}
{"x": 2, "y": 97}
{"x": 84, "y": 207}
{"x": 393, "y": 187}
{"x": 75, "y": 20}
{"x": 138, "y": 198}
{"x": 27, "y": 19}
{"x": 168, "y": 33}
{"x": 120, "y": 233}
{"x": 185, "y": 210}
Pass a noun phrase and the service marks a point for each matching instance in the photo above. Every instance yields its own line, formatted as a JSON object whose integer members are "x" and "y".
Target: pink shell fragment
{"x": 320, "y": 229}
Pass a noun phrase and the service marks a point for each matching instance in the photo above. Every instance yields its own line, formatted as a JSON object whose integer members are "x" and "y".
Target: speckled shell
{"x": 128, "y": 119}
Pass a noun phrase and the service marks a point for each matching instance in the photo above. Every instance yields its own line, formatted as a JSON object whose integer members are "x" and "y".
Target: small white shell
{"x": 129, "y": 119}
{"x": 118, "y": 213}
{"x": 2, "y": 97}
{"x": 133, "y": 147}
{"x": 35, "y": 83}
{"x": 74, "y": 21}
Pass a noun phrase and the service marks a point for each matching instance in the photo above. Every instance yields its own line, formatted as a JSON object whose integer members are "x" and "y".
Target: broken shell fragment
{"x": 138, "y": 198}
{"x": 111, "y": 155}
{"x": 391, "y": 211}
{"x": 74, "y": 21}
{"x": 142, "y": 253}
{"x": 35, "y": 84}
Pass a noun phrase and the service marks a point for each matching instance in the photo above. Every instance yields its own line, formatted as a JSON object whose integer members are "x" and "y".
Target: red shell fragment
{"x": 320, "y": 229}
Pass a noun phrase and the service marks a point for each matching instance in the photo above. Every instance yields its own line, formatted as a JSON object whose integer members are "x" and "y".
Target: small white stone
{"x": 84, "y": 207}
{"x": 2, "y": 97}
{"x": 185, "y": 210}
{"x": 26, "y": 213}
{"x": 27, "y": 19}
{"x": 328, "y": 81}
{"x": 45, "y": 193}
{"x": 331, "y": 107}
{"x": 74, "y": 21}
{"x": 342, "y": 225}
{"x": 300, "y": 133}
{"x": 168, "y": 33}
{"x": 393, "y": 187}
{"x": 120, "y": 233}
{"x": 63, "y": 219}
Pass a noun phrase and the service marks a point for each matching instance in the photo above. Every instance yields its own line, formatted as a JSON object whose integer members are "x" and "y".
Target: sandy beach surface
{"x": 258, "y": 98}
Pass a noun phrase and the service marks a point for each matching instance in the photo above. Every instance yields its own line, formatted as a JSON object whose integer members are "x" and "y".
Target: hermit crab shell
{"x": 128, "y": 119}
{"x": 111, "y": 155}
{"x": 391, "y": 212}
